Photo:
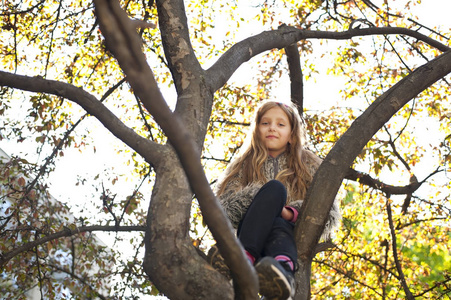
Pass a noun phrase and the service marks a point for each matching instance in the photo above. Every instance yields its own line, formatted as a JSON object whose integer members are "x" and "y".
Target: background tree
{"x": 112, "y": 60}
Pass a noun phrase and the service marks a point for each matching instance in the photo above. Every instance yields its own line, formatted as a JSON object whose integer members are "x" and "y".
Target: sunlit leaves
{"x": 363, "y": 266}
{"x": 61, "y": 40}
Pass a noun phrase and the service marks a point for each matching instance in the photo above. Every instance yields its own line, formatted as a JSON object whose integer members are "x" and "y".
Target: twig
{"x": 409, "y": 295}
{"x": 5, "y": 257}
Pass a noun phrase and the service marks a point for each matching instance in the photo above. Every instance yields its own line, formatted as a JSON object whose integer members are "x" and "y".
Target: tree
{"x": 115, "y": 50}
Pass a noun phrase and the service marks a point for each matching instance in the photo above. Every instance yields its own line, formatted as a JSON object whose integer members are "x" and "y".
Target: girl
{"x": 262, "y": 191}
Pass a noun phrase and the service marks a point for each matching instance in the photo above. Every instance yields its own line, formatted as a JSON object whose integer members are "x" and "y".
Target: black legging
{"x": 262, "y": 231}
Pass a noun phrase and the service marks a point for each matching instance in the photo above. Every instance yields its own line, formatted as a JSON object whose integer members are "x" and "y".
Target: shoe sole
{"x": 273, "y": 283}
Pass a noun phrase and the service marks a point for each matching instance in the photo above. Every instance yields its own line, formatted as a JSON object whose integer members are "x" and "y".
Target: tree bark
{"x": 171, "y": 261}
{"x": 296, "y": 80}
{"x": 303, "y": 276}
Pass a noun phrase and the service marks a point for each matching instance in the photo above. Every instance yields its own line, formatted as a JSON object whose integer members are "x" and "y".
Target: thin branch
{"x": 230, "y": 122}
{"x": 384, "y": 275}
{"x": 436, "y": 285}
{"x": 420, "y": 221}
{"x": 9, "y": 12}
{"x": 40, "y": 279}
{"x": 216, "y": 159}
{"x": 131, "y": 272}
{"x": 367, "y": 180}
{"x": 369, "y": 260}
{"x": 433, "y": 203}
{"x": 61, "y": 142}
{"x": 336, "y": 11}
{"x": 5, "y": 257}
{"x": 16, "y": 63}
{"x": 80, "y": 279}
{"x": 134, "y": 195}
{"x": 143, "y": 117}
{"x": 108, "y": 203}
{"x": 431, "y": 30}
{"x": 30, "y": 186}
{"x": 392, "y": 144}
{"x": 402, "y": 278}
{"x": 349, "y": 276}
{"x": 47, "y": 62}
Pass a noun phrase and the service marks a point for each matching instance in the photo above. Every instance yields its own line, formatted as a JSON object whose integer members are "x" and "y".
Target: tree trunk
{"x": 303, "y": 280}
{"x": 170, "y": 255}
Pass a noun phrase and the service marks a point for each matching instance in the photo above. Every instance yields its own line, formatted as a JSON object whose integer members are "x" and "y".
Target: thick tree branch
{"x": 5, "y": 257}
{"x": 187, "y": 73}
{"x": 297, "y": 83}
{"x": 122, "y": 40}
{"x": 222, "y": 70}
{"x": 91, "y": 104}
{"x": 335, "y": 166}
{"x": 177, "y": 43}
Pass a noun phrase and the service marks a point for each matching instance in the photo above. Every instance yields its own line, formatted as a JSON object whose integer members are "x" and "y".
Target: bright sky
{"x": 323, "y": 93}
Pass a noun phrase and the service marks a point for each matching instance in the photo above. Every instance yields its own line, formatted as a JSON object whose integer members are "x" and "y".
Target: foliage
{"x": 61, "y": 40}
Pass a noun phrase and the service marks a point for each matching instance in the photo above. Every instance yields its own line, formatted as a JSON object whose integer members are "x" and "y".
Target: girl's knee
{"x": 275, "y": 191}
{"x": 275, "y": 185}
{"x": 283, "y": 225}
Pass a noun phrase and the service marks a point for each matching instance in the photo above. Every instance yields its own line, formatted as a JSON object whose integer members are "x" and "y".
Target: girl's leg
{"x": 257, "y": 224}
{"x": 281, "y": 241}
{"x": 276, "y": 269}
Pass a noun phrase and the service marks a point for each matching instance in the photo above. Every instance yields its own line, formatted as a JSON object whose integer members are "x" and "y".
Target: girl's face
{"x": 275, "y": 131}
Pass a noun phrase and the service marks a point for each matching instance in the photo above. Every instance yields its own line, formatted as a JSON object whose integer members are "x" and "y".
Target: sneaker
{"x": 276, "y": 282}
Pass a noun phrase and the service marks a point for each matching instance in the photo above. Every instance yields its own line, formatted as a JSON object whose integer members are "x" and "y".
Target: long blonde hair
{"x": 296, "y": 177}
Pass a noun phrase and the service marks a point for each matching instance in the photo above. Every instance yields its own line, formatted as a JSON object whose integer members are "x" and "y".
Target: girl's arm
{"x": 295, "y": 208}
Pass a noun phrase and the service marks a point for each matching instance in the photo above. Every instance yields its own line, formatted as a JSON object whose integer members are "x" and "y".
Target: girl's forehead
{"x": 275, "y": 112}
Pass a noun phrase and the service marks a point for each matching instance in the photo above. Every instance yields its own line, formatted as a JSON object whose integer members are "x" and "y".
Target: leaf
{"x": 21, "y": 181}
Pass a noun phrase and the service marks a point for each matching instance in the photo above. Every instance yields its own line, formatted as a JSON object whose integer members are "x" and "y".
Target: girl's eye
{"x": 281, "y": 124}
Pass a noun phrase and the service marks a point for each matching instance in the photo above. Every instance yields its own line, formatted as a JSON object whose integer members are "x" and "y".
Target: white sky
{"x": 320, "y": 94}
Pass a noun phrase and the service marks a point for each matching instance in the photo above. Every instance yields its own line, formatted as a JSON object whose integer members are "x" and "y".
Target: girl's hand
{"x": 287, "y": 214}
